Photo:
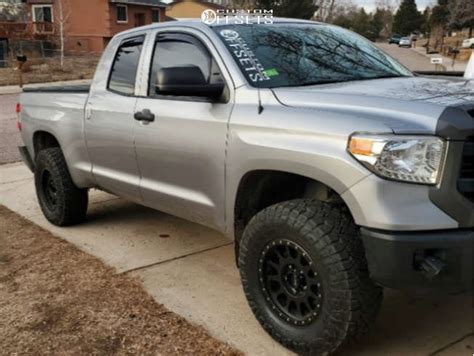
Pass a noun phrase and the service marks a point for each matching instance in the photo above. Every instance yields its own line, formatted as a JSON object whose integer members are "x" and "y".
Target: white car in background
{"x": 468, "y": 43}
{"x": 405, "y": 42}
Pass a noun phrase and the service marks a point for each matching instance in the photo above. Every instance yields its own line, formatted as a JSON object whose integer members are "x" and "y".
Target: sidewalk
{"x": 459, "y": 66}
{"x": 15, "y": 89}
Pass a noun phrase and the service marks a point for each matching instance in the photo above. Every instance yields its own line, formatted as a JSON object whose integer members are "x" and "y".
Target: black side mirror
{"x": 186, "y": 81}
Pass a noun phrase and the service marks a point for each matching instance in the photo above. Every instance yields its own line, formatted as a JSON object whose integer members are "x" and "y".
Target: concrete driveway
{"x": 191, "y": 270}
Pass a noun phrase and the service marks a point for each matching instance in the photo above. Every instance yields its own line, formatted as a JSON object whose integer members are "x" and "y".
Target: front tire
{"x": 62, "y": 203}
{"x": 305, "y": 276}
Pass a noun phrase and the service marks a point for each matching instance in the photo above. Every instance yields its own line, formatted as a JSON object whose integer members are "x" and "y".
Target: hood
{"x": 408, "y": 104}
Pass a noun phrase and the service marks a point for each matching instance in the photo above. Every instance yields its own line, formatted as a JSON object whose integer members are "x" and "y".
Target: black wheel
{"x": 61, "y": 201}
{"x": 305, "y": 276}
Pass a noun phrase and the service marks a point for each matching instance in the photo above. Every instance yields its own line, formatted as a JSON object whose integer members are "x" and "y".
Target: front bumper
{"x": 421, "y": 261}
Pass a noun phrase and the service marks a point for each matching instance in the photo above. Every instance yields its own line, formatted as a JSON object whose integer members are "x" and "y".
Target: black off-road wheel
{"x": 62, "y": 203}
{"x": 305, "y": 276}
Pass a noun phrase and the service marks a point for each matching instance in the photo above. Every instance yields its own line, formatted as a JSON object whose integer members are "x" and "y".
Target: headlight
{"x": 416, "y": 159}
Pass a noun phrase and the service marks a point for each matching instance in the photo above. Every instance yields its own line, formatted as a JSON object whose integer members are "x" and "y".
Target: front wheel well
{"x": 263, "y": 188}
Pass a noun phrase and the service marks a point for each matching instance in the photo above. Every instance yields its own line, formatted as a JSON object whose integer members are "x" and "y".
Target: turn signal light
{"x": 18, "y": 108}
{"x": 361, "y": 146}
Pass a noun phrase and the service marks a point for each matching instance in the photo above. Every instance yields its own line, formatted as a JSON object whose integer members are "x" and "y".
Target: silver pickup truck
{"x": 336, "y": 170}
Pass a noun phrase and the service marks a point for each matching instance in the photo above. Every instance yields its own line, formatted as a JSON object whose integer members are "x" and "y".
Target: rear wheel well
{"x": 43, "y": 140}
{"x": 262, "y": 188}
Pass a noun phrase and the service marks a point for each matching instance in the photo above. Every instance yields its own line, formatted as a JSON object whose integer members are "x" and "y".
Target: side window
{"x": 125, "y": 66}
{"x": 181, "y": 50}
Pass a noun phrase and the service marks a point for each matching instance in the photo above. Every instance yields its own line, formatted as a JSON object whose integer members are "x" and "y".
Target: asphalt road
{"x": 10, "y": 138}
{"x": 408, "y": 57}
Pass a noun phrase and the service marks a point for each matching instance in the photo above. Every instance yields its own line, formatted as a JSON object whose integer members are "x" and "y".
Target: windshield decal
{"x": 272, "y": 72}
{"x": 245, "y": 56}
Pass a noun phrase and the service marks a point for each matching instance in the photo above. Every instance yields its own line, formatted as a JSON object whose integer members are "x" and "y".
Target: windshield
{"x": 280, "y": 55}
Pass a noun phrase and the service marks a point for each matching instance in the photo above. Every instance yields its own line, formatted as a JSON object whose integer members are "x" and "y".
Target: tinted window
{"x": 180, "y": 50}
{"x": 295, "y": 55}
{"x": 125, "y": 66}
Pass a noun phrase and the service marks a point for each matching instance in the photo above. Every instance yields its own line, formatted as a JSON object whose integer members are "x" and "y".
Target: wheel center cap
{"x": 294, "y": 280}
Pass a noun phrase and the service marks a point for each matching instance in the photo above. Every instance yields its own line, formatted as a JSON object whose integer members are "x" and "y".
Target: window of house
{"x": 182, "y": 50}
{"x": 43, "y": 18}
{"x": 155, "y": 15}
{"x": 122, "y": 13}
{"x": 125, "y": 66}
{"x": 42, "y": 13}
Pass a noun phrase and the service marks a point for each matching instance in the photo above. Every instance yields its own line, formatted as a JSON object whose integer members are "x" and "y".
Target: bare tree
{"x": 64, "y": 9}
{"x": 391, "y": 5}
{"x": 243, "y": 4}
{"x": 328, "y": 10}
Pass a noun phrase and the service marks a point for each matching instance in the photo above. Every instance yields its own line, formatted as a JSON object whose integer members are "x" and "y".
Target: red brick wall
{"x": 116, "y": 27}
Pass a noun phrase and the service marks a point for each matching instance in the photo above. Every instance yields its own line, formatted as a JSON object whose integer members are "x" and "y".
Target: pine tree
{"x": 463, "y": 15}
{"x": 440, "y": 14}
{"x": 376, "y": 25}
{"x": 361, "y": 23}
{"x": 407, "y": 19}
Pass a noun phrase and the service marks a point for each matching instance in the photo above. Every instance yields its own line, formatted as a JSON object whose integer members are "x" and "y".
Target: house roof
{"x": 153, "y": 3}
{"x": 207, "y": 3}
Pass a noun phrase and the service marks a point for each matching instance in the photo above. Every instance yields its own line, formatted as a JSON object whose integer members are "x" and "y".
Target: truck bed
{"x": 80, "y": 88}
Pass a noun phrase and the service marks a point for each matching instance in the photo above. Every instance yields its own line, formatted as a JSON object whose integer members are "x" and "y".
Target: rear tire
{"x": 305, "y": 276}
{"x": 60, "y": 200}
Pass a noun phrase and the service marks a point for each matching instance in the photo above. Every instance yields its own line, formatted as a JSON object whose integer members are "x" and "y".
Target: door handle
{"x": 144, "y": 115}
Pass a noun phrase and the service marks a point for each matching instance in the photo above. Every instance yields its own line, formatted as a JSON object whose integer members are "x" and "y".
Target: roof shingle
{"x": 154, "y": 3}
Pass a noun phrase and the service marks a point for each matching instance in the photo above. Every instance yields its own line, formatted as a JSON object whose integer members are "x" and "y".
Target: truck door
{"x": 109, "y": 123}
{"x": 180, "y": 141}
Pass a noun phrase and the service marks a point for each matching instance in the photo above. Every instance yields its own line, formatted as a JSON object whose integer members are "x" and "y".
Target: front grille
{"x": 466, "y": 176}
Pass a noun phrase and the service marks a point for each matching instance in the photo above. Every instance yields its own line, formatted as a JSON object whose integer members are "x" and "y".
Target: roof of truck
{"x": 198, "y": 23}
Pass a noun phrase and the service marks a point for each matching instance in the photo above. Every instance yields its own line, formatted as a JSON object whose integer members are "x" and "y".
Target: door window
{"x": 125, "y": 66}
{"x": 182, "y": 50}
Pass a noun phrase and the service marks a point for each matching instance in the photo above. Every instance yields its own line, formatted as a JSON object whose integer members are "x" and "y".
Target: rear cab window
{"x": 125, "y": 66}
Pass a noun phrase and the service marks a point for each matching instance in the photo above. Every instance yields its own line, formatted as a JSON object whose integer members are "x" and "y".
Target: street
{"x": 408, "y": 57}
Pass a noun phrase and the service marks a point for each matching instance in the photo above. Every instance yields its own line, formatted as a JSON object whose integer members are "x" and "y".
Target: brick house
{"x": 88, "y": 25}
{"x": 181, "y": 9}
